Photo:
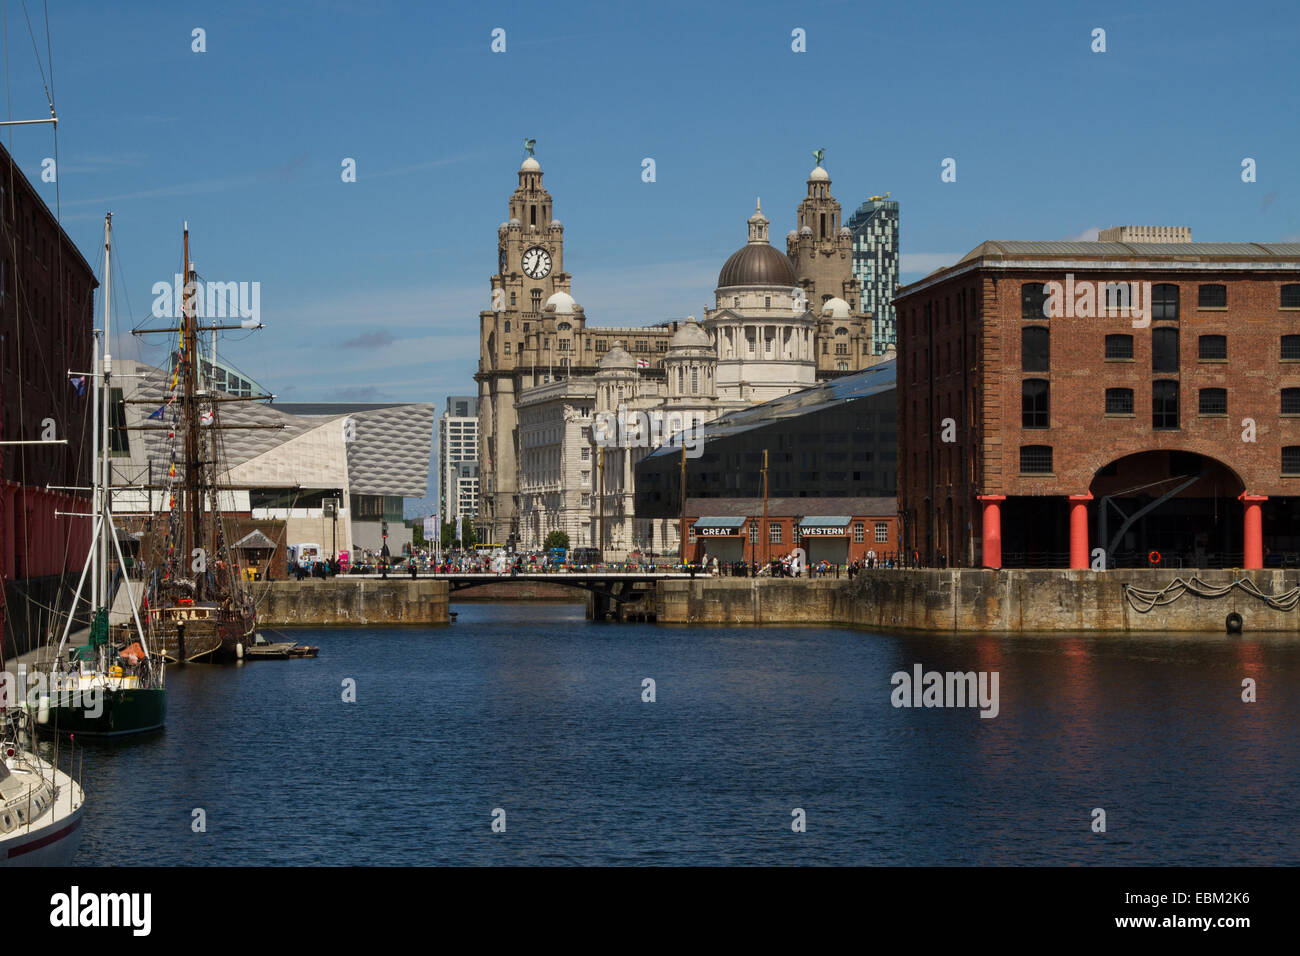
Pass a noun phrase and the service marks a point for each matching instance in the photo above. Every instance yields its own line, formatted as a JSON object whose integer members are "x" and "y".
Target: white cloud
{"x": 1088, "y": 235}
{"x": 923, "y": 263}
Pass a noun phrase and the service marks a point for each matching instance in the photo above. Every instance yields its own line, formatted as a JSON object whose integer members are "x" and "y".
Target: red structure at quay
{"x": 46, "y": 311}
{"x": 837, "y": 530}
{"x": 1129, "y": 402}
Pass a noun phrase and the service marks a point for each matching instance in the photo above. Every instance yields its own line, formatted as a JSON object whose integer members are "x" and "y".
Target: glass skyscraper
{"x": 875, "y": 266}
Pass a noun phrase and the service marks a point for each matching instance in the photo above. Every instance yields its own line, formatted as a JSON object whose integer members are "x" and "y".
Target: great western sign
{"x": 823, "y": 532}
{"x": 717, "y": 532}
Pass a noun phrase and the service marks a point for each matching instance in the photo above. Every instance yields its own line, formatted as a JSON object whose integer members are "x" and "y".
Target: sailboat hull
{"x": 215, "y": 640}
{"x": 124, "y": 712}
{"x": 52, "y": 834}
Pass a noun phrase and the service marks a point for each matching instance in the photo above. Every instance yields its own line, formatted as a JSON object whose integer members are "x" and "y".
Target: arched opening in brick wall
{"x": 1183, "y": 505}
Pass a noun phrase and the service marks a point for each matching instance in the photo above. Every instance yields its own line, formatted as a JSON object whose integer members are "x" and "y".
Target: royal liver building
{"x": 550, "y": 385}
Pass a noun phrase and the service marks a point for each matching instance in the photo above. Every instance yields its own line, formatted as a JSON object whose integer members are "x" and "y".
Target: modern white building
{"x": 458, "y": 460}
{"x": 335, "y": 474}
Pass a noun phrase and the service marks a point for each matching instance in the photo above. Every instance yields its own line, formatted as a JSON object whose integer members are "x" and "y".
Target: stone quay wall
{"x": 959, "y": 600}
{"x": 351, "y": 602}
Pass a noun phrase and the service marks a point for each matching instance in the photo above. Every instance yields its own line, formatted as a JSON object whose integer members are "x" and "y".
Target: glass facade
{"x": 875, "y": 266}
{"x": 834, "y": 440}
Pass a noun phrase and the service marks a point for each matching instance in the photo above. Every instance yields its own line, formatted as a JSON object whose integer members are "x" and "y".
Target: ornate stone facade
{"x": 780, "y": 323}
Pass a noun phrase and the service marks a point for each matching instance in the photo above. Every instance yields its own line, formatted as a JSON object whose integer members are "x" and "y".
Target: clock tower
{"x": 516, "y": 336}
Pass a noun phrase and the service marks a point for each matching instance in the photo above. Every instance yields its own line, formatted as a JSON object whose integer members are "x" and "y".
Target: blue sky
{"x": 370, "y": 290}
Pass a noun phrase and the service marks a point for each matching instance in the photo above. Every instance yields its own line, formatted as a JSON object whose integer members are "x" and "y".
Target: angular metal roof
{"x": 999, "y": 248}
{"x": 388, "y": 453}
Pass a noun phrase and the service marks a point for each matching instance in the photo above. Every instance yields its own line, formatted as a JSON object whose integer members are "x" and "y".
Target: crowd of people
{"x": 792, "y": 565}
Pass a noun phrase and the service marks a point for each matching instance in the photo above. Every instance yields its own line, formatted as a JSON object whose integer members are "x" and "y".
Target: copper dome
{"x": 757, "y": 264}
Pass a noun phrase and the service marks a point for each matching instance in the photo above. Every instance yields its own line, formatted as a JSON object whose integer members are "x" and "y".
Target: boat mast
{"x": 106, "y": 411}
{"x": 94, "y": 475}
{"x": 193, "y": 478}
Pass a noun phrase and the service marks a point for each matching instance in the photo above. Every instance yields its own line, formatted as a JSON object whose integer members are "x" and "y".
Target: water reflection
{"x": 534, "y": 710}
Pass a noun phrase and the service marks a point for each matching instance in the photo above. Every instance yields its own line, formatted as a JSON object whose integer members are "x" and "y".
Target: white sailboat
{"x": 41, "y": 807}
{"x": 114, "y": 669}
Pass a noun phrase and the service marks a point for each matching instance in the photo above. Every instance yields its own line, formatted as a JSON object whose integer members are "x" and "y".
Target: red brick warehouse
{"x": 46, "y": 309}
{"x": 1139, "y": 394}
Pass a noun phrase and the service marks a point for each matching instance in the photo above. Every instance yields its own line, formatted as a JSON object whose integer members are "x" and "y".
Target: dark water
{"x": 535, "y": 711}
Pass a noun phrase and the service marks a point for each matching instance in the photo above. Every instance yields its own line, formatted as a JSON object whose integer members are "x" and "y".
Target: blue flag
{"x": 79, "y": 383}
{"x": 158, "y": 414}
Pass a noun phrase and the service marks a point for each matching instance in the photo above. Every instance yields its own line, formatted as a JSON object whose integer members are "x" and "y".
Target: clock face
{"x": 537, "y": 263}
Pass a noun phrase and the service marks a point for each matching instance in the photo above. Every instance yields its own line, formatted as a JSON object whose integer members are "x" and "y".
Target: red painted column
{"x": 1079, "y": 531}
{"x": 991, "y": 527}
{"x": 1253, "y": 536}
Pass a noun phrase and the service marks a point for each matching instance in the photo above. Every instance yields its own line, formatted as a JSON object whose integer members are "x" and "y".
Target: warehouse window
{"x": 1212, "y": 296}
{"x": 1213, "y": 401}
{"x": 859, "y": 531}
{"x": 1119, "y": 401}
{"x": 1211, "y": 348}
{"x": 1164, "y": 404}
{"x": 1291, "y": 460}
{"x": 1164, "y": 350}
{"x": 1291, "y": 348}
{"x": 882, "y": 531}
{"x": 1034, "y": 402}
{"x": 1036, "y": 459}
{"x": 753, "y": 532}
{"x": 1033, "y": 300}
{"x": 774, "y": 534}
{"x": 1291, "y": 401}
{"x": 1035, "y": 348}
{"x": 1164, "y": 301}
{"x": 1119, "y": 346}
{"x": 1291, "y": 296}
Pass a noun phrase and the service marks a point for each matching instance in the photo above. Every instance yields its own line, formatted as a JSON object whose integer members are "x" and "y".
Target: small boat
{"x": 41, "y": 807}
{"x": 283, "y": 650}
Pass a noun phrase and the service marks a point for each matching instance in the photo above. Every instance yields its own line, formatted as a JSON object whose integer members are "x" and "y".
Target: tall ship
{"x": 197, "y": 605}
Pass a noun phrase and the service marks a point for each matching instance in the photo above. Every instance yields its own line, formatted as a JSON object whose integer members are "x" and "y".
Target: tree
{"x": 417, "y": 532}
{"x": 557, "y": 539}
{"x": 448, "y": 535}
{"x": 467, "y": 537}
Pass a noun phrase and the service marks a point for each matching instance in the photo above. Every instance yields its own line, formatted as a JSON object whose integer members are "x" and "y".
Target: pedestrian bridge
{"x": 616, "y": 595}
